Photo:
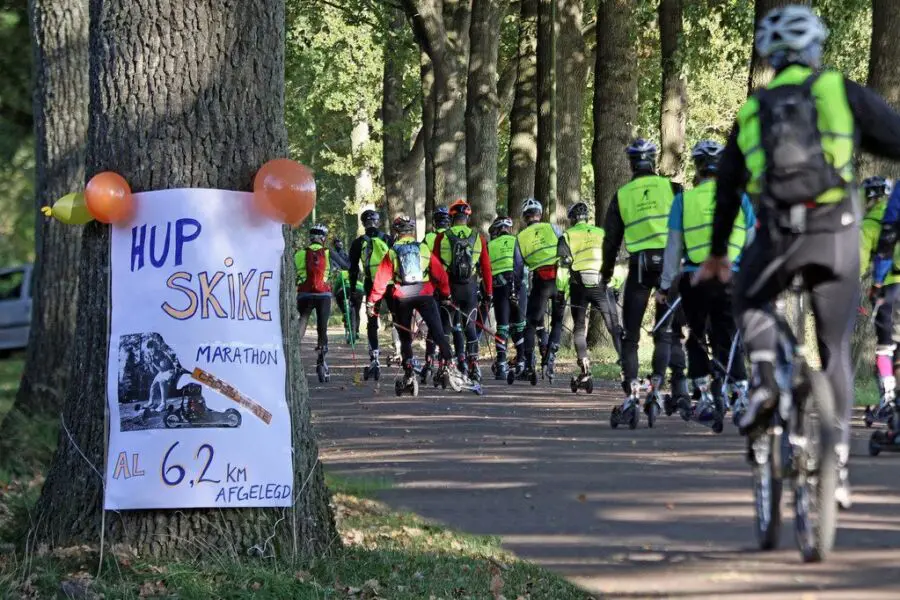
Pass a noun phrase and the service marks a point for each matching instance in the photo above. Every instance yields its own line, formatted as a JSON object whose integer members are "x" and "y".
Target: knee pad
{"x": 518, "y": 327}
{"x": 503, "y": 331}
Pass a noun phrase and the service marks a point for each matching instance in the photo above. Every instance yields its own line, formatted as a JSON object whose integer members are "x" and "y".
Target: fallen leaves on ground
{"x": 369, "y": 590}
{"x": 496, "y": 582}
{"x": 153, "y": 589}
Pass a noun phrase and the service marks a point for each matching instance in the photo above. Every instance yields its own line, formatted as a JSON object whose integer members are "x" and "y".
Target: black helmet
{"x": 403, "y": 225}
{"x": 642, "y": 155}
{"x": 877, "y": 187}
{"x": 578, "y": 213}
{"x": 500, "y": 226}
{"x": 706, "y": 155}
{"x": 440, "y": 218}
{"x": 370, "y": 219}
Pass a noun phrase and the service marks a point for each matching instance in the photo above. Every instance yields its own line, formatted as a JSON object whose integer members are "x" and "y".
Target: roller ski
{"x": 548, "y": 363}
{"x": 709, "y": 410}
{"x": 739, "y": 395}
{"x": 373, "y": 371}
{"x": 884, "y": 441}
{"x": 584, "y": 380}
{"x": 427, "y": 370}
{"x": 408, "y": 383}
{"x": 321, "y": 366}
{"x": 500, "y": 369}
{"x": 449, "y": 377}
{"x": 653, "y": 405}
{"x": 193, "y": 412}
{"x": 884, "y": 412}
{"x": 628, "y": 413}
{"x": 522, "y": 372}
{"x": 473, "y": 370}
{"x": 680, "y": 393}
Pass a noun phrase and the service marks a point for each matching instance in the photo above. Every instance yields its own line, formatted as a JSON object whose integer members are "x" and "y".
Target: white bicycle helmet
{"x": 792, "y": 28}
{"x": 530, "y": 205}
{"x": 318, "y": 233}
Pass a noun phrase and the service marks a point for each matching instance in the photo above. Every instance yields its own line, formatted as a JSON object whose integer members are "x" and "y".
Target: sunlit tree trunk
{"x": 520, "y": 174}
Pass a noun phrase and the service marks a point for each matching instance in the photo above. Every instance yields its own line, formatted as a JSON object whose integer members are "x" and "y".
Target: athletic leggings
{"x": 321, "y": 303}
{"x": 638, "y": 288}
{"x": 372, "y": 322}
{"x": 711, "y": 300}
{"x": 510, "y": 321}
{"x": 355, "y": 301}
{"x": 447, "y": 331}
{"x": 601, "y": 298}
{"x": 829, "y": 265}
{"x": 542, "y": 291}
{"x": 465, "y": 297}
{"x": 427, "y": 307}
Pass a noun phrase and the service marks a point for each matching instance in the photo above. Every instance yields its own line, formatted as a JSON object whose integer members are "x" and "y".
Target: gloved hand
{"x": 370, "y": 309}
{"x": 662, "y": 296}
{"x": 876, "y": 293}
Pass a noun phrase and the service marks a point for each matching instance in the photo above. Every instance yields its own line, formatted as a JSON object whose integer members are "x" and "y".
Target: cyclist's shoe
{"x": 762, "y": 399}
{"x": 842, "y": 491}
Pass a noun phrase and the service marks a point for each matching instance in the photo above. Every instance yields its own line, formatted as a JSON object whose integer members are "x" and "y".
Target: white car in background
{"x": 15, "y": 307}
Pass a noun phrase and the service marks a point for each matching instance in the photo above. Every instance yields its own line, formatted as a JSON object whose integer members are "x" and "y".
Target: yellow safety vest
{"x": 644, "y": 204}
{"x": 836, "y": 128}
{"x": 424, "y": 257}
{"x": 586, "y": 245}
{"x": 431, "y": 236}
{"x": 464, "y": 232}
{"x": 537, "y": 243}
{"x": 375, "y": 248}
{"x": 868, "y": 241}
{"x": 502, "y": 250}
{"x": 698, "y": 209}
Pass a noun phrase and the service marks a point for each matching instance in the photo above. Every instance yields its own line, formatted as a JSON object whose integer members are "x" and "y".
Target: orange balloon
{"x": 108, "y": 198}
{"x": 285, "y": 191}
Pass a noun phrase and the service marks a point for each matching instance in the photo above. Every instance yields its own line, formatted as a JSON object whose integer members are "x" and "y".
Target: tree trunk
{"x": 571, "y": 69}
{"x": 482, "y": 108}
{"x": 359, "y": 136}
{"x": 883, "y": 75}
{"x": 760, "y": 71}
{"x": 426, "y": 73}
{"x": 545, "y": 171}
{"x": 673, "y": 109}
{"x": 393, "y": 138}
{"x": 208, "y": 114}
{"x": 59, "y": 33}
{"x": 615, "y": 109}
{"x": 523, "y": 118}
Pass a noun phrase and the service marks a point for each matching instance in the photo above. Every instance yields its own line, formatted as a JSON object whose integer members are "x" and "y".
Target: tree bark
{"x": 760, "y": 71}
{"x": 393, "y": 138}
{"x": 883, "y": 75}
{"x": 545, "y": 170}
{"x": 364, "y": 186}
{"x": 520, "y": 174}
{"x": 426, "y": 73}
{"x": 482, "y": 109}
{"x": 673, "y": 109}
{"x": 208, "y": 114}
{"x": 59, "y": 32}
{"x": 571, "y": 69}
{"x": 615, "y": 109}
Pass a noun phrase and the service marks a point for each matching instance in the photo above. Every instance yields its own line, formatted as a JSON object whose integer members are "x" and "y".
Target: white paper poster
{"x": 196, "y": 383}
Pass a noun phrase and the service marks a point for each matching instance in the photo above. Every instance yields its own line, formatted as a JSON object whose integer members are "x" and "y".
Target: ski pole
{"x": 477, "y": 322}
{"x": 668, "y": 314}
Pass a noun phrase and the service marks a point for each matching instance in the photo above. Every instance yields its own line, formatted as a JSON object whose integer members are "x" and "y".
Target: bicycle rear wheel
{"x": 767, "y": 487}
{"x": 816, "y": 466}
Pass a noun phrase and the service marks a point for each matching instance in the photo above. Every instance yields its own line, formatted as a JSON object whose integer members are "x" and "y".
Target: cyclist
{"x": 440, "y": 221}
{"x": 639, "y": 213}
{"x": 416, "y": 274}
{"x": 580, "y": 250}
{"x": 798, "y": 161}
{"x": 537, "y": 242}
{"x": 508, "y": 269}
{"x": 313, "y": 265}
{"x": 690, "y": 233}
{"x": 876, "y": 191}
{"x": 460, "y": 248}
{"x": 369, "y": 249}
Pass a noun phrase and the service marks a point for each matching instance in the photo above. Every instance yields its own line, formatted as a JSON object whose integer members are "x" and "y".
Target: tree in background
{"x": 59, "y": 42}
{"x": 673, "y": 106}
{"x": 221, "y": 69}
{"x": 884, "y": 76}
{"x": 545, "y": 169}
{"x": 520, "y": 173}
{"x": 760, "y": 71}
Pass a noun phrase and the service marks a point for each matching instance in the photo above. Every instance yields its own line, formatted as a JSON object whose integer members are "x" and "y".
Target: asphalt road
{"x": 661, "y": 513}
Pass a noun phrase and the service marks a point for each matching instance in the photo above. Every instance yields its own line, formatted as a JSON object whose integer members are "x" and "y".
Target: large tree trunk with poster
{"x": 482, "y": 109}
{"x": 545, "y": 170}
{"x": 673, "y": 109}
{"x": 441, "y": 28}
{"x": 760, "y": 71}
{"x": 884, "y": 78}
{"x": 59, "y": 31}
{"x": 615, "y": 110}
{"x": 523, "y": 118}
{"x": 208, "y": 115}
{"x": 571, "y": 70}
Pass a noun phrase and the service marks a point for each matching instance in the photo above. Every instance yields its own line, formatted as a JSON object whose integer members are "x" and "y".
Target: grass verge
{"x": 384, "y": 555}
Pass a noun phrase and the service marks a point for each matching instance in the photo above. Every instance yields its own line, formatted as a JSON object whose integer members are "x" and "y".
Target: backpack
{"x": 316, "y": 271}
{"x": 369, "y": 247}
{"x": 797, "y": 170}
{"x": 461, "y": 265}
{"x": 409, "y": 263}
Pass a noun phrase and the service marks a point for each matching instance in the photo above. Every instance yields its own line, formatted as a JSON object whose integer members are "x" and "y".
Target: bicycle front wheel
{"x": 767, "y": 486}
{"x": 816, "y": 472}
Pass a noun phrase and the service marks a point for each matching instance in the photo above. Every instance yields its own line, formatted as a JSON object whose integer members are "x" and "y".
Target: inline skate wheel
{"x": 510, "y": 377}
{"x": 398, "y": 387}
{"x": 589, "y": 386}
{"x": 874, "y": 446}
{"x": 171, "y": 420}
{"x": 232, "y": 418}
{"x": 634, "y": 418}
{"x": 652, "y": 413}
{"x": 320, "y": 372}
{"x": 614, "y": 418}
{"x": 377, "y": 374}
{"x": 718, "y": 426}
{"x": 366, "y": 374}
{"x": 534, "y": 378}
{"x": 574, "y": 385}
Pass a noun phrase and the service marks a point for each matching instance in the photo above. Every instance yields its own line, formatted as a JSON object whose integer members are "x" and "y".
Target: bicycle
{"x": 806, "y": 455}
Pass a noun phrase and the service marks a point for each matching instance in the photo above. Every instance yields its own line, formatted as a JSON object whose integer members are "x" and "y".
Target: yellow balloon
{"x": 70, "y": 209}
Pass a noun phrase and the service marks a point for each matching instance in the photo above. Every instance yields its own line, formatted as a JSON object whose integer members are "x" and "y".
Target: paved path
{"x": 662, "y": 513}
